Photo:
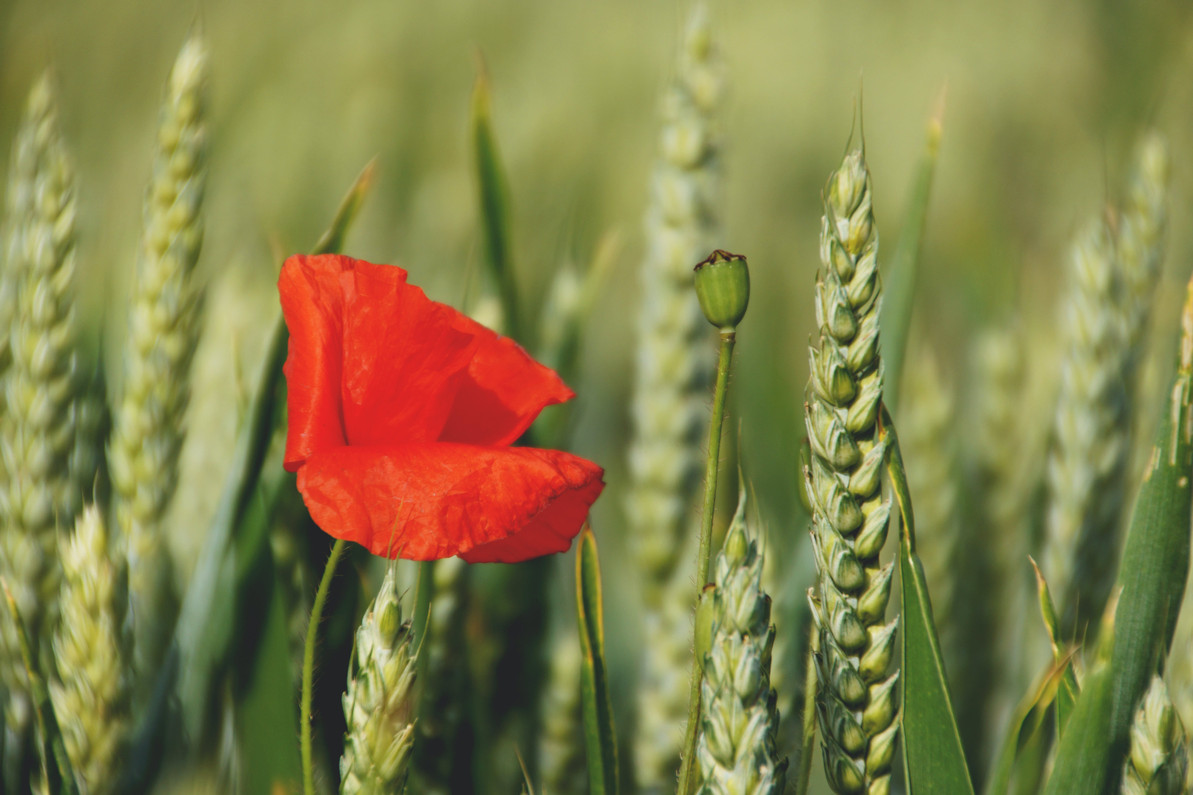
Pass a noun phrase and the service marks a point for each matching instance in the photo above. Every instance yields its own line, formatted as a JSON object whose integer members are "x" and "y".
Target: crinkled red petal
{"x": 312, "y": 304}
{"x": 405, "y": 360}
{"x": 503, "y": 392}
{"x": 430, "y": 501}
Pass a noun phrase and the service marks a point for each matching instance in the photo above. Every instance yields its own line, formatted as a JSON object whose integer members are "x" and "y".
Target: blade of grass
{"x": 599, "y": 737}
{"x": 1068, "y": 691}
{"x": 58, "y": 777}
{"x": 494, "y": 203}
{"x": 899, "y": 292}
{"x": 208, "y": 617}
{"x": 1082, "y": 755}
{"x": 1155, "y": 559}
{"x": 933, "y": 760}
{"x": 1025, "y": 725}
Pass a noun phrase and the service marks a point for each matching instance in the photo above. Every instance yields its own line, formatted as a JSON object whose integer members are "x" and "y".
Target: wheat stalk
{"x": 1087, "y": 459}
{"x": 92, "y": 691}
{"x": 163, "y": 330}
{"x": 38, "y": 384}
{"x": 668, "y": 403}
{"x": 856, "y": 702}
{"x": 379, "y": 702}
{"x": 736, "y": 747}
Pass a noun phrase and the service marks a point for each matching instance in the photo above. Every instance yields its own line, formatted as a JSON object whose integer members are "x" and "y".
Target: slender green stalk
{"x": 724, "y": 358}
{"x": 424, "y": 591}
{"x": 308, "y": 666}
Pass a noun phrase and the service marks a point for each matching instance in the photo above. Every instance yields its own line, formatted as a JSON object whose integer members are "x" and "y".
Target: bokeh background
{"x": 1042, "y": 102}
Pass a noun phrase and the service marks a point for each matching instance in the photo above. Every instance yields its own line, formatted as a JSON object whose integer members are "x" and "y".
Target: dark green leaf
{"x": 494, "y": 204}
{"x": 1155, "y": 559}
{"x": 899, "y": 291}
{"x": 210, "y": 610}
{"x": 933, "y": 760}
{"x": 265, "y": 707}
{"x": 599, "y": 737}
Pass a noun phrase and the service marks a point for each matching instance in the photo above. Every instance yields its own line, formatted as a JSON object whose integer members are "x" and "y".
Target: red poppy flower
{"x": 402, "y": 412}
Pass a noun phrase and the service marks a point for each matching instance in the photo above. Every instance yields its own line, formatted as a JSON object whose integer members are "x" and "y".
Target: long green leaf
{"x": 1083, "y": 753}
{"x": 1155, "y": 559}
{"x": 1068, "y": 691}
{"x": 269, "y": 757}
{"x": 899, "y": 291}
{"x": 599, "y": 737}
{"x": 210, "y": 613}
{"x": 933, "y": 759}
{"x": 494, "y": 204}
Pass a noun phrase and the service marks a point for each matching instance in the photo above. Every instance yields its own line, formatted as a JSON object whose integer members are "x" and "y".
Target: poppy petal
{"x": 430, "y": 501}
{"x": 404, "y": 358}
{"x": 503, "y": 392}
{"x": 312, "y": 304}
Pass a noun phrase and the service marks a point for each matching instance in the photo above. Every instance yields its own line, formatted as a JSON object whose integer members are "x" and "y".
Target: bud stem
{"x": 728, "y": 338}
{"x": 308, "y": 666}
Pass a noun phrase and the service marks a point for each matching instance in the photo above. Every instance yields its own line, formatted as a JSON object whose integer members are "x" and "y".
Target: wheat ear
{"x": 1158, "y": 761}
{"x": 856, "y": 700}
{"x": 379, "y": 702}
{"x": 163, "y": 329}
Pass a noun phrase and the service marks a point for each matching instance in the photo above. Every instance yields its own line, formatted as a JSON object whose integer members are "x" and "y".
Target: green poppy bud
{"x": 723, "y": 287}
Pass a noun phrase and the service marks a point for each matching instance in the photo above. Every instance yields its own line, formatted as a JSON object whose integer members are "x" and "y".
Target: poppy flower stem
{"x": 728, "y": 337}
{"x": 308, "y": 665}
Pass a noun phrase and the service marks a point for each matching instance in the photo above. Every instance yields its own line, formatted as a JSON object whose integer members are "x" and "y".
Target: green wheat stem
{"x": 424, "y": 590}
{"x": 724, "y": 358}
{"x": 308, "y": 666}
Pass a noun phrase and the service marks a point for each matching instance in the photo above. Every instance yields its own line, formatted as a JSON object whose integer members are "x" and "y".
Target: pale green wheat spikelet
{"x": 163, "y": 329}
{"x": 561, "y": 754}
{"x": 663, "y": 694}
{"x": 1140, "y": 239}
{"x": 672, "y": 366}
{"x": 379, "y": 703}
{"x": 856, "y": 701}
{"x": 92, "y": 691}
{"x": 1087, "y": 459}
{"x": 668, "y": 404}
{"x": 736, "y": 746}
{"x": 1159, "y": 757}
{"x": 38, "y": 384}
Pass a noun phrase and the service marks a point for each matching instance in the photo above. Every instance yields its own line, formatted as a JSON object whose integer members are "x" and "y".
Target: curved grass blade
{"x": 599, "y": 737}
{"x": 1155, "y": 559}
{"x": 57, "y": 774}
{"x": 933, "y": 760}
{"x": 899, "y": 291}
{"x": 494, "y": 203}
{"x": 1025, "y": 727}
{"x": 1083, "y": 753}
{"x": 1068, "y": 690}
{"x": 210, "y": 611}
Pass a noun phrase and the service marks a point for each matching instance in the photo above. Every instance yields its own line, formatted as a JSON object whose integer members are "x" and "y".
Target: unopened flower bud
{"x": 723, "y": 287}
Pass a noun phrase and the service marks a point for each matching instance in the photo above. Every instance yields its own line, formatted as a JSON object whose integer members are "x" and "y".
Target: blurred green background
{"x": 1042, "y": 102}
